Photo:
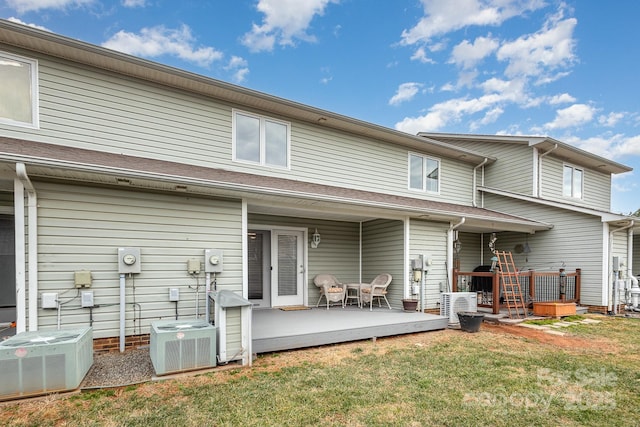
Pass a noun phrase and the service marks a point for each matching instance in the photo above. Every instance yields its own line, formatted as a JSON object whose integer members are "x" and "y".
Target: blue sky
{"x": 565, "y": 69}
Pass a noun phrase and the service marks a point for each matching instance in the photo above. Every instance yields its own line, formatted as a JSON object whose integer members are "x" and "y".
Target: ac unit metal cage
{"x": 182, "y": 345}
{"x": 453, "y": 302}
{"x": 39, "y": 362}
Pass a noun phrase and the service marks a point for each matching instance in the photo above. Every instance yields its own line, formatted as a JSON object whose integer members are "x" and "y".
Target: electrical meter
{"x": 213, "y": 262}
{"x": 128, "y": 260}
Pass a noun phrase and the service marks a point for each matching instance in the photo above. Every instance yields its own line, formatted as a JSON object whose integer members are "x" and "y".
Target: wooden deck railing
{"x": 560, "y": 286}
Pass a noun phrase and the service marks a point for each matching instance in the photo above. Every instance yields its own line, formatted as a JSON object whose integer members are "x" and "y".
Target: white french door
{"x": 287, "y": 268}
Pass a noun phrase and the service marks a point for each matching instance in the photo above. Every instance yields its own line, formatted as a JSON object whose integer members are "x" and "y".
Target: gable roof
{"x": 52, "y": 44}
{"x": 55, "y": 162}
{"x": 555, "y": 148}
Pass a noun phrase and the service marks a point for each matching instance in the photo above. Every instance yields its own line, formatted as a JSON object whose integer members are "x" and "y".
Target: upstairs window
{"x": 18, "y": 90}
{"x": 260, "y": 140}
{"x": 424, "y": 173}
{"x": 572, "y": 181}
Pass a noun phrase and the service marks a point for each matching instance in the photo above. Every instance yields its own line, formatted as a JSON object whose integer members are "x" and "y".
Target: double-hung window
{"x": 572, "y": 182}
{"x": 18, "y": 90}
{"x": 260, "y": 140}
{"x": 424, "y": 173}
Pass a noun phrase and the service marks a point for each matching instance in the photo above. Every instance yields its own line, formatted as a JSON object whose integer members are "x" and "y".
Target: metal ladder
{"x": 510, "y": 282}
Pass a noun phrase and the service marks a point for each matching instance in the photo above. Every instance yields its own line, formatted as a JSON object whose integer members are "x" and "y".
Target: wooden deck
{"x": 276, "y": 330}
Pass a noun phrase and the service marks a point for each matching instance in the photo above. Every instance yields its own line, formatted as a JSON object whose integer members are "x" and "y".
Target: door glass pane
{"x": 247, "y": 138}
{"x": 275, "y": 144}
{"x": 287, "y": 265}
{"x": 255, "y": 265}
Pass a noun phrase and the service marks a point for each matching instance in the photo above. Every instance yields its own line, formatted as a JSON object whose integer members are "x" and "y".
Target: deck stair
{"x": 510, "y": 283}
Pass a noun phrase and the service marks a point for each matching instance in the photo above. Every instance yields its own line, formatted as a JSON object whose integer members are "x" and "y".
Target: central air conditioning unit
{"x": 39, "y": 362}
{"x": 453, "y": 302}
{"x": 182, "y": 345}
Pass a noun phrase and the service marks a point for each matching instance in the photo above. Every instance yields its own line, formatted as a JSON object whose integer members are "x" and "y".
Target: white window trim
{"x": 35, "y": 93}
{"x": 262, "y": 120}
{"x": 424, "y": 175}
{"x": 573, "y": 169}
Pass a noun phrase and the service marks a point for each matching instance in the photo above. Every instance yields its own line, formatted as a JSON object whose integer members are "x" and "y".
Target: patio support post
{"x": 563, "y": 284}
{"x": 532, "y": 285}
{"x": 495, "y": 292}
{"x": 454, "y": 285}
{"x": 578, "y": 284}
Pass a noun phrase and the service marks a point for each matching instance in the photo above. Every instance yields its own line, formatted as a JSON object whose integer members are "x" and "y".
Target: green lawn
{"x": 451, "y": 378}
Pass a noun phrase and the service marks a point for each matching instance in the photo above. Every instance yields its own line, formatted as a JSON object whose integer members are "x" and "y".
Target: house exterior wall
{"x": 576, "y": 241}
{"x": 430, "y": 238}
{"x": 596, "y": 186}
{"x": 513, "y": 169}
{"x": 337, "y": 254}
{"x": 383, "y": 252}
{"x": 82, "y": 227}
{"x": 94, "y": 109}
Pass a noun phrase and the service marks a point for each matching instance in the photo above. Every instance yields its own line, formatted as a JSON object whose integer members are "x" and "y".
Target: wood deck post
{"x": 454, "y": 285}
{"x": 495, "y": 292}
{"x": 532, "y": 285}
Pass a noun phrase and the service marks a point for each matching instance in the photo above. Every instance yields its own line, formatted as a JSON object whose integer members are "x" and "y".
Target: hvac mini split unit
{"x": 453, "y": 302}
{"x": 40, "y": 362}
{"x": 182, "y": 345}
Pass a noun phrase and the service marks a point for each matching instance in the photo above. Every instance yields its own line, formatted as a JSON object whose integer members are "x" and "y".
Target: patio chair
{"x": 330, "y": 288}
{"x": 376, "y": 289}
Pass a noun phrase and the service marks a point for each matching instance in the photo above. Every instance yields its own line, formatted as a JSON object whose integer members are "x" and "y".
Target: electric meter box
{"x": 128, "y": 260}
{"x": 213, "y": 261}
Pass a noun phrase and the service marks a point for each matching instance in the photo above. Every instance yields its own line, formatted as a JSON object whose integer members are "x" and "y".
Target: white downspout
{"x": 473, "y": 200}
{"x": 612, "y": 305}
{"x": 21, "y": 298}
{"x": 32, "y": 218}
{"x": 540, "y": 157}
{"x": 452, "y": 227}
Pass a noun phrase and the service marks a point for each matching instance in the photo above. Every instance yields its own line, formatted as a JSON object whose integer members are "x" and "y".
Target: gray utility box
{"x": 182, "y": 345}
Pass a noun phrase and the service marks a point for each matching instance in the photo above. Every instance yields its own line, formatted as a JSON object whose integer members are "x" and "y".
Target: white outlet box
{"x": 86, "y": 299}
{"x": 49, "y": 300}
{"x": 174, "y": 294}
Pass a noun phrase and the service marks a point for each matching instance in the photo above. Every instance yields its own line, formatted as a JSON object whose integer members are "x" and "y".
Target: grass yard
{"x": 501, "y": 376}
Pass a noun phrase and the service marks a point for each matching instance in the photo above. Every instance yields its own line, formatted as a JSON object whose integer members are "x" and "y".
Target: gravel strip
{"x": 115, "y": 369}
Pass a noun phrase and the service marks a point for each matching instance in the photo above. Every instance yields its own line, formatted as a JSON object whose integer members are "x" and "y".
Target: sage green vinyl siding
{"x": 430, "y": 238}
{"x": 596, "y": 186}
{"x": 337, "y": 254}
{"x": 471, "y": 254}
{"x": 513, "y": 169}
{"x": 81, "y": 228}
{"x": 575, "y": 241}
{"x": 94, "y": 109}
{"x": 383, "y": 252}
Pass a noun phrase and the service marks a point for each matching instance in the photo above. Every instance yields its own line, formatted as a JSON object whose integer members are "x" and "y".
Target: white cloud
{"x": 563, "y": 98}
{"x": 22, "y": 6}
{"x": 611, "y": 119}
{"x": 539, "y": 54}
{"x": 421, "y": 55}
{"x": 467, "y": 55}
{"x": 575, "y": 115}
{"x": 239, "y": 67}
{"x": 405, "y": 92}
{"x": 441, "y": 17}
{"x": 158, "y": 41}
{"x": 134, "y": 3}
{"x": 616, "y": 146}
{"x": 284, "y": 21}
{"x": 19, "y": 21}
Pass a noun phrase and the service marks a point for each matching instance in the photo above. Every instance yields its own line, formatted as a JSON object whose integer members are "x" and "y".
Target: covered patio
{"x": 276, "y": 330}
